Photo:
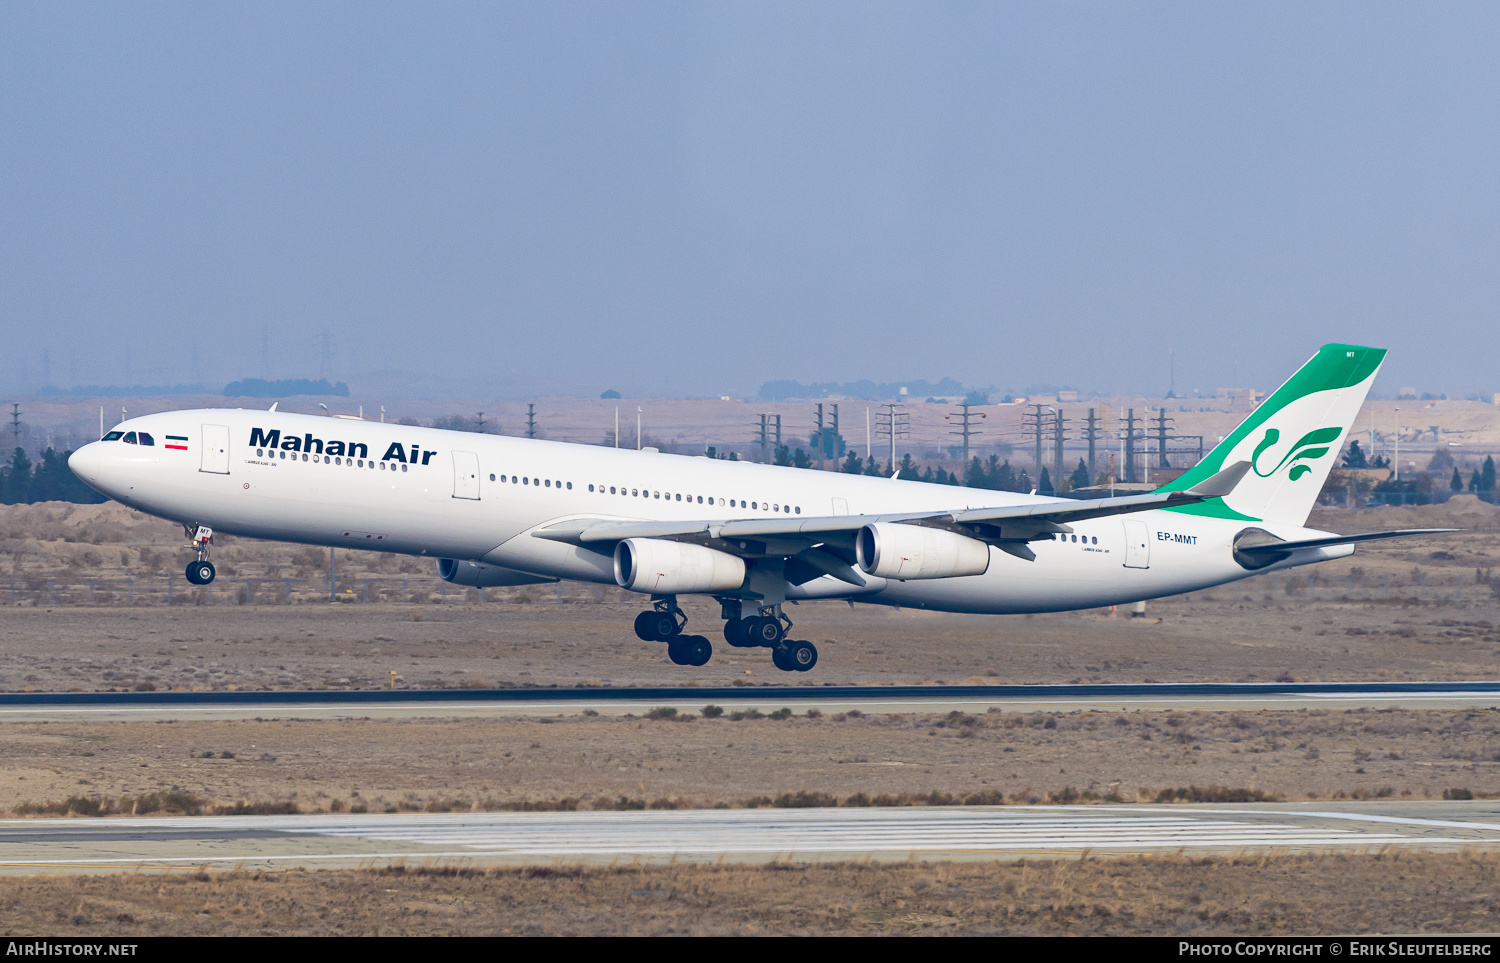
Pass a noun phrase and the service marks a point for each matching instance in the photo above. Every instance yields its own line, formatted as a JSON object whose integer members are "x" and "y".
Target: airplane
{"x": 498, "y": 511}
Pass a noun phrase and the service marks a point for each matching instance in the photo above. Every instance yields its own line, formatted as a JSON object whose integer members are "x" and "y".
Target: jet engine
{"x": 662, "y": 567}
{"x": 890, "y": 550}
{"x": 480, "y": 575}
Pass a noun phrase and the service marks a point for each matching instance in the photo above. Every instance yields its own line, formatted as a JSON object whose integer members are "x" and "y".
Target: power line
{"x": 966, "y": 427}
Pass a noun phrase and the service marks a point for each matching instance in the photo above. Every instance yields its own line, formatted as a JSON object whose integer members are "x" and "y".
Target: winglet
{"x": 273, "y": 406}
{"x": 1220, "y": 483}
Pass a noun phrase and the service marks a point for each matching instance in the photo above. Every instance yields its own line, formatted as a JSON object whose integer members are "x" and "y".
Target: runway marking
{"x": 697, "y": 833}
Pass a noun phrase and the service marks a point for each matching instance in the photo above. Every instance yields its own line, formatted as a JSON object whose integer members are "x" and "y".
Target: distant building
{"x": 1241, "y": 399}
{"x": 1067, "y": 396}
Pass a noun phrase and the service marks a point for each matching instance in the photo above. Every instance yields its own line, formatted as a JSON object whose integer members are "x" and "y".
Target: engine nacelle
{"x": 480, "y": 575}
{"x": 661, "y": 567}
{"x": 904, "y": 552}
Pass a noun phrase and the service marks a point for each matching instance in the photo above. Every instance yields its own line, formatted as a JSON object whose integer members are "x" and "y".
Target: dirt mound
{"x": 1460, "y": 511}
{"x": 108, "y": 524}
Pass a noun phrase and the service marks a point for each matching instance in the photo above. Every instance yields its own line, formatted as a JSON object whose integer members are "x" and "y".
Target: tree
{"x": 1474, "y": 481}
{"x": 1487, "y": 475}
{"x": 1080, "y": 476}
{"x": 1044, "y": 487}
{"x": 54, "y": 481}
{"x": 1355, "y": 456}
{"x": 800, "y": 459}
{"x": 15, "y": 478}
{"x": 872, "y": 467}
{"x": 1005, "y": 479}
{"x": 854, "y": 464}
{"x": 783, "y": 457}
{"x": 1457, "y": 483}
{"x": 908, "y": 469}
{"x": 974, "y": 474}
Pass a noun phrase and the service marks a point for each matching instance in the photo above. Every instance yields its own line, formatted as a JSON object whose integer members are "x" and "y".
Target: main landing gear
{"x": 200, "y": 571}
{"x": 768, "y": 630}
{"x": 664, "y": 623}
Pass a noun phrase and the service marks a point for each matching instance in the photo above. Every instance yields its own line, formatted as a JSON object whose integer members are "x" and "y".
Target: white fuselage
{"x": 458, "y": 495}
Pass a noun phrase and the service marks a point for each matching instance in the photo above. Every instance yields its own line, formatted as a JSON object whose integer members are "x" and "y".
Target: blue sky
{"x": 690, "y": 199}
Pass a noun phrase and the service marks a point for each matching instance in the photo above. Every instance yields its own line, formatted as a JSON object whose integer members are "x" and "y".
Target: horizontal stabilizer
{"x": 1221, "y": 483}
{"x": 1281, "y": 548}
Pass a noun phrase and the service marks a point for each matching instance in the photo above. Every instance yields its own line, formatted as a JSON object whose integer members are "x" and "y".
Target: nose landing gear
{"x": 200, "y": 571}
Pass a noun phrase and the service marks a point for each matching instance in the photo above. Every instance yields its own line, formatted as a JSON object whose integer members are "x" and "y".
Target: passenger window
{"x": 130, "y": 438}
{"x": 526, "y": 481}
{"x": 549, "y": 483}
{"x": 799, "y": 509}
{"x": 570, "y": 486}
{"x": 113, "y": 436}
{"x": 755, "y": 505}
{"x": 146, "y": 439}
{"x": 611, "y": 489}
{"x": 281, "y": 455}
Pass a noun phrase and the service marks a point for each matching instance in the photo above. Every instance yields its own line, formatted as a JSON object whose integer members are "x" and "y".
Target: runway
{"x": 386, "y": 703}
{"x": 742, "y": 835}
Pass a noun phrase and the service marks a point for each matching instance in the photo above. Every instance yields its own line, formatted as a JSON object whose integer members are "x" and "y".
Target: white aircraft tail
{"x": 1291, "y": 441}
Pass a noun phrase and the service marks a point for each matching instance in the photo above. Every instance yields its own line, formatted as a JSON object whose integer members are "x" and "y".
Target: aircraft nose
{"x": 86, "y": 462}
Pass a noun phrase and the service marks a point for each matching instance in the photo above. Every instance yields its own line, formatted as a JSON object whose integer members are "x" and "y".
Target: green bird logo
{"x": 1314, "y": 444}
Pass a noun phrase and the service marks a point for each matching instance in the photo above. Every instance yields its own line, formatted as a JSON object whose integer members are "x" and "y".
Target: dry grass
{"x": 848, "y": 759}
{"x": 1168, "y": 895}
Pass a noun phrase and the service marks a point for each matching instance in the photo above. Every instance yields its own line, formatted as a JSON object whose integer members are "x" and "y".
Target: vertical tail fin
{"x": 1291, "y": 440}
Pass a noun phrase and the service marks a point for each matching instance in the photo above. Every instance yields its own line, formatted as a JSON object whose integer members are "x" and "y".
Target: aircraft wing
{"x": 1009, "y": 527}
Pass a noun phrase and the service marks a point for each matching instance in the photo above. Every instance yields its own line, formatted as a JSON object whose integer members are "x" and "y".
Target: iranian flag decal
{"x": 177, "y": 442}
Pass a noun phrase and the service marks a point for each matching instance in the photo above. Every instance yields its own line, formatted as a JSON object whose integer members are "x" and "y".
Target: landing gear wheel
{"x": 802, "y": 655}
{"x": 765, "y": 631}
{"x": 737, "y": 633}
{"x": 696, "y": 649}
{"x": 689, "y": 650}
{"x": 781, "y": 657}
{"x": 664, "y": 624}
{"x": 645, "y": 623}
{"x": 200, "y": 573}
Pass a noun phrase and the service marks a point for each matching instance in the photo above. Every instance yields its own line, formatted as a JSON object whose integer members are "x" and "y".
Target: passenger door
{"x": 841, "y": 506}
{"x": 215, "y": 449}
{"x": 465, "y": 475}
{"x": 1137, "y": 544}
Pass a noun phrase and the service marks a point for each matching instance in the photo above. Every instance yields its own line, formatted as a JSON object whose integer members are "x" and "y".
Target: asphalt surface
{"x": 344, "y": 703}
{"x": 743, "y": 835}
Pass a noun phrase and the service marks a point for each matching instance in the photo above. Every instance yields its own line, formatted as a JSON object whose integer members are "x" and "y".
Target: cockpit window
{"x": 113, "y": 436}
{"x": 130, "y": 438}
{"x": 146, "y": 439}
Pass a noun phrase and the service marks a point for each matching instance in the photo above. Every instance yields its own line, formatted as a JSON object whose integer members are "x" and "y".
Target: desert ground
{"x": 90, "y": 611}
{"x": 1251, "y": 895}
